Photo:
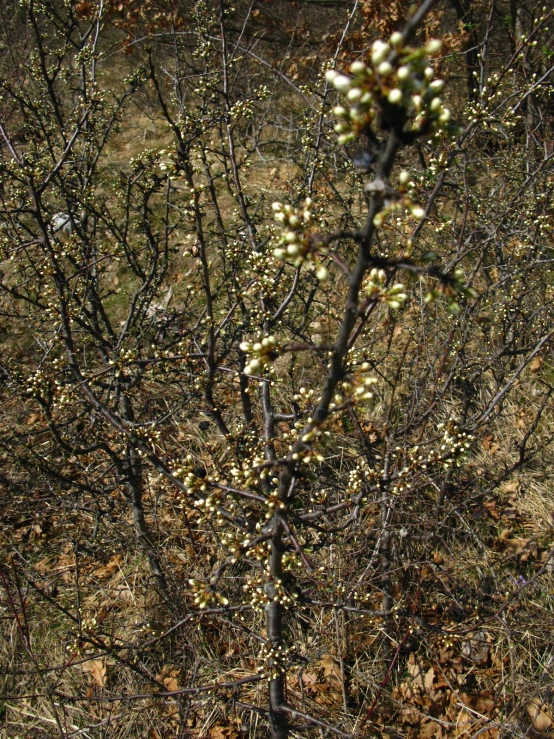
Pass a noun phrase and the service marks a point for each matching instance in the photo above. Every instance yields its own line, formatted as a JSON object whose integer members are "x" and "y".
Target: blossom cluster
{"x": 263, "y": 352}
{"x": 355, "y": 388}
{"x": 375, "y": 288}
{"x": 205, "y": 595}
{"x": 451, "y": 288}
{"x": 399, "y": 79}
{"x": 299, "y": 243}
{"x": 275, "y": 660}
{"x": 452, "y": 452}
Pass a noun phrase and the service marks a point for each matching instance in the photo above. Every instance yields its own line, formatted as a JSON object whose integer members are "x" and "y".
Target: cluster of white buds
{"x": 304, "y": 396}
{"x": 394, "y": 200}
{"x": 354, "y": 389}
{"x": 237, "y": 543}
{"x": 204, "y": 595}
{"x": 264, "y": 353}
{"x": 451, "y": 453}
{"x": 194, "y": 481}
{"x": 37, "y": 384}
{"x": 273, "y": 502}
{"x": 210, "y": 503}
{"x": 375, "y": 288}
{"x": 77, "y": 643}
{"x": 247, "y": 474}
{"x": 263, "y": 592}
{"x": 404, "y": 82}
{"x": 167, "y": 161}
{"x": 275, "y": 660}
{"x": 451, "y": 288}
{"x": 356, "y": 479}
{"x": 308, "y": 455}
{"x": 299, "y": 243}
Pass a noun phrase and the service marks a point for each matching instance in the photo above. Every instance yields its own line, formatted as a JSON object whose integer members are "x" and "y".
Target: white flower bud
{"x": 358, "y": 68}
{"x": 429, "y": 73}
{"x": 417, "y": 211}
{"x": 279, "y": 253}
{"x": 294, "y": 221}
{"x": 292, "y": 250}
{"x": 277, "y": 206}
{"x": 291, "y": 237}
{"x": 435, "y": 105}
{"x": 396, "y": 39}
{"x": 395, "y": 96}
{"x": 403, "y": 73}
{"x": 354, "y": 94}
{"x": 437, "y": 86}
{"x": 245, "y": 346}
{"x": 257, "y": 347}
{"x": 444, "y": 116}
{"x": 345, "y": 138}
{"x": 340, "y": 111}
{"x": 404, "y": 177}
{"x": 433, "y": 46}
{"x": 385, "y": 69}
{"x": 330, "y": 75}
{"x": 379, "y": 52}
{"x": 342, "y": 83}
{"x": 321, "y": 272}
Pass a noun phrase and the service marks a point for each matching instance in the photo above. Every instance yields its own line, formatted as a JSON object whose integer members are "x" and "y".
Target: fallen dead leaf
{"x": 97, "y": 670}
{"x": 523, "y": 548}
{"x": 489, "y": 444}
{"x": 223, "y": 732}
{"x": 416, "y": 672}
{"x": 333, "y": 677}
{"x": 541, "y": 716}
{"x": 429, "y": 679}
{"x": 430, "y": 730}
{"x": 107, "y": 570}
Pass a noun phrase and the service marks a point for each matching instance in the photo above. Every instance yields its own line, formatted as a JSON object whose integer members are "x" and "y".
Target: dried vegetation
{"x": 346, "y": 530}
